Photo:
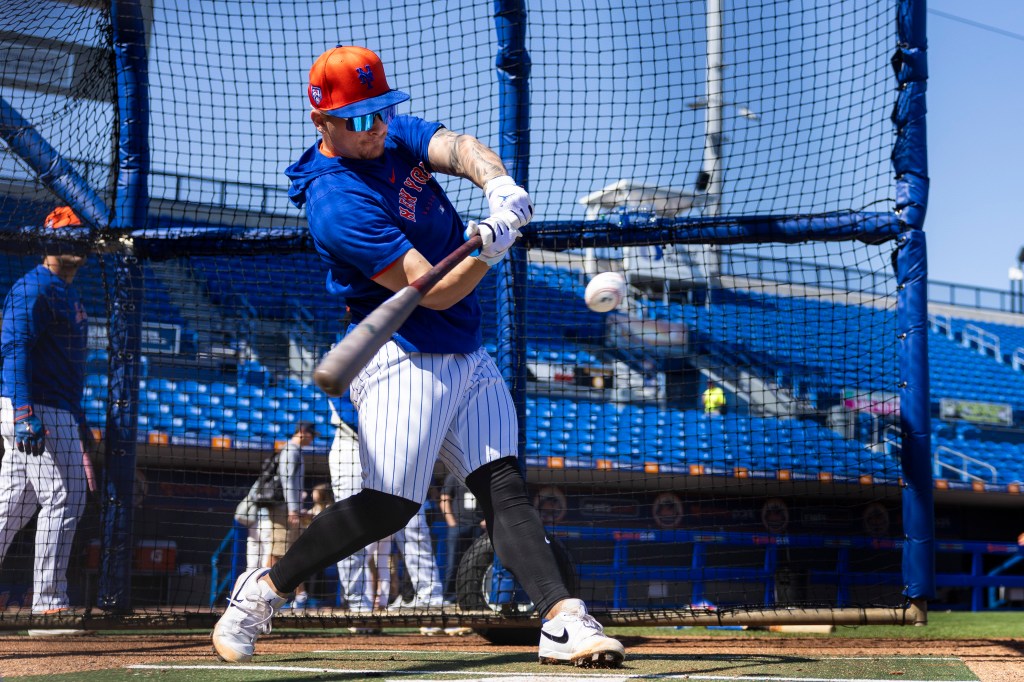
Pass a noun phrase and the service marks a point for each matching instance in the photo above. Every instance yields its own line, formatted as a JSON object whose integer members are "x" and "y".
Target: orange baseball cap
{"x": 62, "y": 216}
{"x": 349, "y": 81}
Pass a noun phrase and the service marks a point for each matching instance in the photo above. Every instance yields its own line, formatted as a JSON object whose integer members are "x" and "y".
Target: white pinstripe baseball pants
{"x": 413, "y": 408}
{"x": 416, "y": 407}
{"x": 54, "y": 482}
{"x": 354, "y": 571}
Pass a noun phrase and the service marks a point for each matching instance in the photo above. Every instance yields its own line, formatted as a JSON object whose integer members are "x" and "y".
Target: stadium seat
{"x": 161, "y": 385}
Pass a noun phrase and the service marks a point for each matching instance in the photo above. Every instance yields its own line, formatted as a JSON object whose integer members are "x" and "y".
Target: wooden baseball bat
{"x": 348, "y": 357}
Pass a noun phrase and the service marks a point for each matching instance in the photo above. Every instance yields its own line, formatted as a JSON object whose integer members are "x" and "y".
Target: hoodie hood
{"x": 310, "y": 166}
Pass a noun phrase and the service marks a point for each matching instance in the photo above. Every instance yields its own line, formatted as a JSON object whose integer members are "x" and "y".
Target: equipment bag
{"x": 267, "y": 490}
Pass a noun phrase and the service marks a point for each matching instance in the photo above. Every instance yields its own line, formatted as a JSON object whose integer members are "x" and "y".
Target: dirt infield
{"x": 989, "y": 659}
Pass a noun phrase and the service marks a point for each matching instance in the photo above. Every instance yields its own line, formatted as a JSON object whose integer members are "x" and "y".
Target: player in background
{"x": 362, "y": 592}
{"x": 380, "y": 220}
{"x": 365, "y": 574}
{"x": 45, "y": 435}
{"x": 464, "y": 523}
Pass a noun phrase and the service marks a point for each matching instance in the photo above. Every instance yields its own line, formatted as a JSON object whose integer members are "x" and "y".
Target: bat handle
{"x": 343, "y": 362}
{"x": 427, "y": 280}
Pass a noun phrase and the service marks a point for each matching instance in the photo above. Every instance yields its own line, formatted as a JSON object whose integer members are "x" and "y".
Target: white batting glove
{"x": 503, "y": 194}
{"x": 498, "y": 233}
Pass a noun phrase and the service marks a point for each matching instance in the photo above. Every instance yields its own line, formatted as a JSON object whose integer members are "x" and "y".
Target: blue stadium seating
{"x": 633, "y": 435}
{"x": 1002, "y": 450}
{"x": 794, "y": 339}
{"x": 967, "y": 374}
{"x": 233, "y": 283}
{"x": 804, "y": 357}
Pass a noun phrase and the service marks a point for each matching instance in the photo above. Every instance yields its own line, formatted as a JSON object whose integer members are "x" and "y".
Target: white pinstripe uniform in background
{"x": 414, "y": 541}
{"x": 354, "y": 572}
{"x": 54, "y": 483}
{"x": 44, "y": 338}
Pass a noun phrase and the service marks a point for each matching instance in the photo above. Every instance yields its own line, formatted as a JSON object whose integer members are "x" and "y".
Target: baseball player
{"x": 45, "y": 435}
{"x": 354, "y": 575}
{"x": 379, "y": 220}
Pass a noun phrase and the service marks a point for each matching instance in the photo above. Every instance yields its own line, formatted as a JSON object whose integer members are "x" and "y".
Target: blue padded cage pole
{"x": 910, "y": 163}
{"x": 513, "y": 66}
{"x": 53, "y": 170}
{"x": 130, "y": 211}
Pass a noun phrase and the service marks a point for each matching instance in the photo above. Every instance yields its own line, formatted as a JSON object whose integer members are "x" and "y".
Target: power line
{"x": 977, "y": 24}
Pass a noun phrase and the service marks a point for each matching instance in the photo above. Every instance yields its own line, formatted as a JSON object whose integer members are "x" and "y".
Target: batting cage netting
{"x": 743, "y": 439}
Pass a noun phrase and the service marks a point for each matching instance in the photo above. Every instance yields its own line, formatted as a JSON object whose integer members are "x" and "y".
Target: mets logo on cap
{"x": 348, "y": 81}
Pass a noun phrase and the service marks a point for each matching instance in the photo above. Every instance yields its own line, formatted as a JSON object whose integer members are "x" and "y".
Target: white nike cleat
{"x": 574, "y": 636}
{"x": 247, "y": 617}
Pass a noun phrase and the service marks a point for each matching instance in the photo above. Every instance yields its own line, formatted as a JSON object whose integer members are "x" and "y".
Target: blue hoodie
{"x": 364, "y": 214}
{"x": 45, "y": 330}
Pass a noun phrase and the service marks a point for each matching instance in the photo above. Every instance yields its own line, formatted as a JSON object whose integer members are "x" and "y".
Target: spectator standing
{"x": 322, "y": 497}
{"x": 713, "y": 398}
{"x": 285, "y": 518}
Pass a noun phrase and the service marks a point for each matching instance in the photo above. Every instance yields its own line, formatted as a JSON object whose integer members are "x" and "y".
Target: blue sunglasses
{"x": 360, "y": 124}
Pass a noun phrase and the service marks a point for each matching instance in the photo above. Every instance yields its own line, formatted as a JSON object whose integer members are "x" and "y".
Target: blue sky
{"x": 975, "y": 141}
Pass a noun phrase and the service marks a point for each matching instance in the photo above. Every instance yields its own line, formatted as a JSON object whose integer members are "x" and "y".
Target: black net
{"x": 777, "y": 490}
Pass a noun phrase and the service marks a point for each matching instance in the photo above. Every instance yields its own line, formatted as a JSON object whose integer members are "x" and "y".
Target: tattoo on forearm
{"x": 485, "y": 164}
{"x": 451, "y": 144}
{"x": 468, "y": 158}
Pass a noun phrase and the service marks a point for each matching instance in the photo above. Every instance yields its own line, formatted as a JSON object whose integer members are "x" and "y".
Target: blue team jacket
{"x": 43, "y": 342}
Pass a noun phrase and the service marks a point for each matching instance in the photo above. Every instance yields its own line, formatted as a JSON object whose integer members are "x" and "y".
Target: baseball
{"x": 605, "y": 292}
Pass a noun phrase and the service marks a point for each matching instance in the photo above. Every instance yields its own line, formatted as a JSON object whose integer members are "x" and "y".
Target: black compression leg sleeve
{"x": 340, "y": 530}
{"x": 516, "y": 531}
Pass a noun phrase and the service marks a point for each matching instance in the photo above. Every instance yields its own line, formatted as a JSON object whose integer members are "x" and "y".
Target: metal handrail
{"x": 218, "y": 585}
{"x": 986, "y": 340}
{"x": 941, "y": 324}
{"x": 965, "y": 459}
{"x": 993, "y": 601}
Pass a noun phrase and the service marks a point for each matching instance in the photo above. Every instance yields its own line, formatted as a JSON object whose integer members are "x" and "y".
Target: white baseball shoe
{"x": 419, "y": 604}
{"x": 247, "y": 617}
{"x": 574, "y": 636}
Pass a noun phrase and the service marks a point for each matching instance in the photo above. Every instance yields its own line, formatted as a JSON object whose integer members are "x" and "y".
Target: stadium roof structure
{"x": 663, "y": 202}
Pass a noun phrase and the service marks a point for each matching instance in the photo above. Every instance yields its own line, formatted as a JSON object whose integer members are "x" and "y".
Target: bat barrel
{"x": 343, "y": 362}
